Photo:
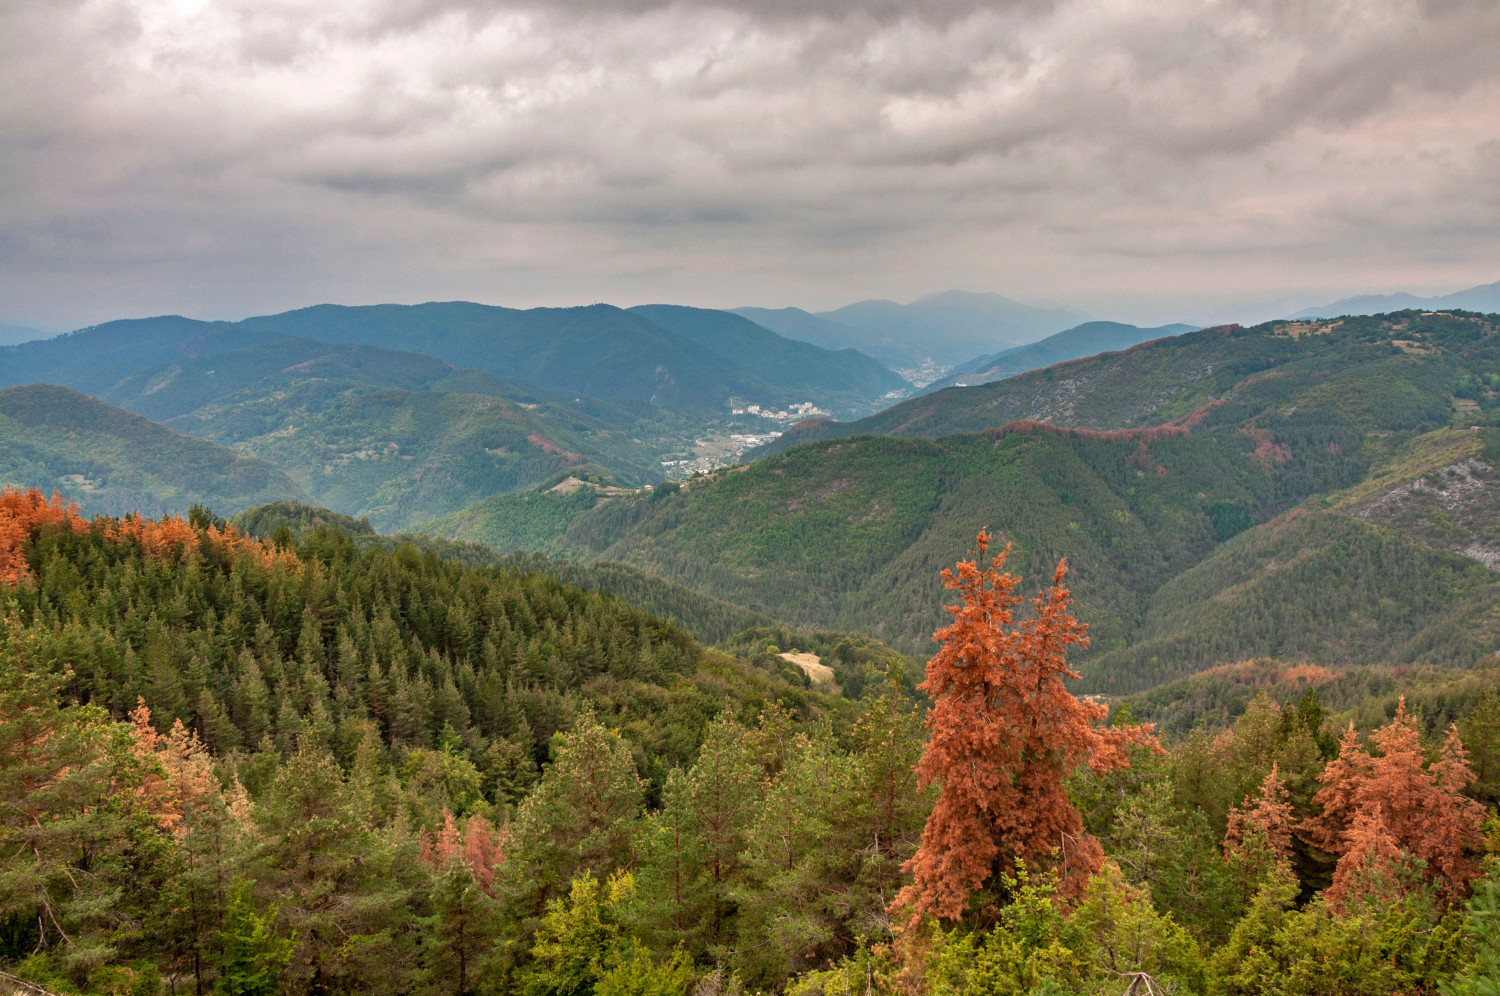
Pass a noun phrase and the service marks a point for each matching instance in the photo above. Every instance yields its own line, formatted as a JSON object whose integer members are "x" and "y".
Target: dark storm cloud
{"x": 223, "y": 156}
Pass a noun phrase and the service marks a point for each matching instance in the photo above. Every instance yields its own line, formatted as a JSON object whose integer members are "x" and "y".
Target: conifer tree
{"x": 333, "y": 878}
{"x": 693, "y": 846}
{"x": 85, "y": 814}
{"x": 250, "y": 956}
{"x": 462, "y": 929}
{"x": 1264, "y": 823}
{"x": 1004, "y": 733}
{"x": 579, "y": 819}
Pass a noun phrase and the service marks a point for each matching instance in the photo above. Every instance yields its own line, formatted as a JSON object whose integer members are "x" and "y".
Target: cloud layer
{"x": 225, "y": 157}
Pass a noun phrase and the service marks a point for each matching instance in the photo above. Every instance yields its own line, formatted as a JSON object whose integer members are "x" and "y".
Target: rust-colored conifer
{"x": 1265, "y": 822}
{"x": 1419, "y": 805}
{"x": 1004, "y": 734}
{"x": 20, "y": 513}
{"x": 484, "y": 850}
{"x": 1371, "y": 866}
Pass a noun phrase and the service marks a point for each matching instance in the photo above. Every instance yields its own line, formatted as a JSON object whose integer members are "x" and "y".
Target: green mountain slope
{"x": 1319, "y": 587}
{"x": 398, "y": 436}
{"x": 851, "y": 534}
{"x": 1088, "y": 339}
{"x": 404, "y": 457}
{"x": 112, "y": 462}
{"x": 1400, "y": 371}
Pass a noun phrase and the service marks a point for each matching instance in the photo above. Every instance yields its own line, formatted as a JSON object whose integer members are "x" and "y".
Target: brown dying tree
{"x": 1005, "y": 732}
{"x": 1400, "y": 794}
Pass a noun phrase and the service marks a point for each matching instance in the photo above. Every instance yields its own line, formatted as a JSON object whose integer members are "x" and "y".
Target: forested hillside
{"x": 397, "y": 436}
{"x": 835, "y": 378}
{"x": 602, "y": 351}
{"x": 1088, "y": 339}
{"x": 114, "y": 462}
{"x": 298, "y": 767}
{"x": 1400, "y": 371}
{"x": 404, "y": 457}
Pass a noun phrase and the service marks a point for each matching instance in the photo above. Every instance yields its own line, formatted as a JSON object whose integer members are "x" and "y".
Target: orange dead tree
{"x": 23, "y": 512}
{"x": 1399, "y": 798}
{"x": 1005, "y": 733}
{"x": 20, "y": 513}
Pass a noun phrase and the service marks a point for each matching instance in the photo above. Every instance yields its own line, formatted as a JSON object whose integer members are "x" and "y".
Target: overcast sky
{"x": 1140, "y": 159}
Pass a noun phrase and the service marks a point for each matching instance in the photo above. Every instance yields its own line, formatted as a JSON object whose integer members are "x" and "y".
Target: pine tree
{"x": 1004, "y": 734}
{"x": 1373, "y": 864}
{"x": 462, "y": 929}
{"x": 251, "y": 957}
{"x": 580, "y": 818}
{"x": 333, "y": 878}
{"x": 1481, "y": 735}
{"x": 693, "y": 845}
{"x": 83, "y": 826}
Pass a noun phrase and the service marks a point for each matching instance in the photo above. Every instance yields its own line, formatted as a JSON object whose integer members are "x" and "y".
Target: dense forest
{"x": 310, "y": 764}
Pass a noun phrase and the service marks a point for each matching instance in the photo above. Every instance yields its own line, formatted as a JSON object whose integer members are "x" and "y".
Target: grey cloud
{"x": 221, "y": 155}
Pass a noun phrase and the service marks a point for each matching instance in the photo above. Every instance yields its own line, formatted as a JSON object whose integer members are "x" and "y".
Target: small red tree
{"x": 1004, "y": 734}
{"x": 484, "y": 850}
{"x": 1267, "y": 821}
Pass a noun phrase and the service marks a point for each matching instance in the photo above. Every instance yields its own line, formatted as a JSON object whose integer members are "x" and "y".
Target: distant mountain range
{"x": 10, "y": 335}
{"x": 1484, "y": 298}
{"x": 403, "y": 436}
{"x": 697, "y": 360}
{"x": 1088, "y": 339}
{"x": 939, "y": 330}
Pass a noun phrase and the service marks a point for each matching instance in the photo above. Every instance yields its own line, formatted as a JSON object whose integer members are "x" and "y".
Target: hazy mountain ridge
{"x": 951, "y": 326}
{"x": 12, "y": 335}
{"x": 1088, "y": 339}
{"x": 1484, "y": 298}
{"x": 932, "y": 332}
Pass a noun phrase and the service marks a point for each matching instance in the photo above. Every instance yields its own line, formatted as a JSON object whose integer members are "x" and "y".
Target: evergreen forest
{"x": 287, "y": 756}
